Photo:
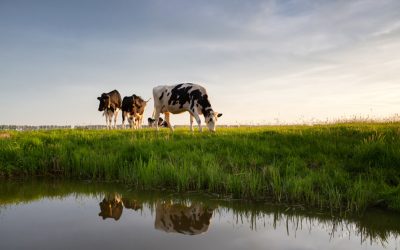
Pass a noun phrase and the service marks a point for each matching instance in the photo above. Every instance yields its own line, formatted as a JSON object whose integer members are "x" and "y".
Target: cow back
{"x": 127, "y": 103}
{"x": 115, "y": 99}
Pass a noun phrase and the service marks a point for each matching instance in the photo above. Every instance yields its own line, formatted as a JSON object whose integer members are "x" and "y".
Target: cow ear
{"x": 99, "y": 98}
{"x": 219, "y": 114}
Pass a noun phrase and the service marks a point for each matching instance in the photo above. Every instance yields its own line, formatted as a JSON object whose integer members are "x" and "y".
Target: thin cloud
{"x": 262, "y": 59}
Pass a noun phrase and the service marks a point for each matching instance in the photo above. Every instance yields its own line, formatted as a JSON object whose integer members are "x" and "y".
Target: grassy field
{"x": 342, "y": 167}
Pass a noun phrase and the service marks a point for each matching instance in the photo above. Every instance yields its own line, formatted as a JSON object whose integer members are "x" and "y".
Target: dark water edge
{"x": 53, "y": 214}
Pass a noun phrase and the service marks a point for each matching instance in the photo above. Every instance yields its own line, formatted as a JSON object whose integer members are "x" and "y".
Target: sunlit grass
{"x": 340, "y": 166}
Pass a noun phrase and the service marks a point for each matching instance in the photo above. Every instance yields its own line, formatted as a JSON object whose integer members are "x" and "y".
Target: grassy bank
{"x": 342, "y": 166}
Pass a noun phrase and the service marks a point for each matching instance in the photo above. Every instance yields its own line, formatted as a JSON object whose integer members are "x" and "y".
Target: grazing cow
{"x": 133, "y": 109}
{"x": 110, "y": 103}
{"x": 179, "y": 218}
{"x": 161, "y": 123}
{"x": 184, "y": 97}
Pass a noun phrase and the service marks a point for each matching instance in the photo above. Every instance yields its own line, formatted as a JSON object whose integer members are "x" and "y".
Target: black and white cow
{"x": 133, "y": 109}
{"x": 183, "y": 97}
{"x": 161, "y": 123}
{"x": 110, "y": 103}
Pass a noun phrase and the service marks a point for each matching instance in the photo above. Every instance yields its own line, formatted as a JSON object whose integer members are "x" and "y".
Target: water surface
{"x": 85, "y": 215}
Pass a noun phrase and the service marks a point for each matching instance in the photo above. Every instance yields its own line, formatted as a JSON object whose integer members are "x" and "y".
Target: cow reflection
{"x": 132, "y": 204}
{"x": 111, "y": 206}
{"x": 179, "y": 218}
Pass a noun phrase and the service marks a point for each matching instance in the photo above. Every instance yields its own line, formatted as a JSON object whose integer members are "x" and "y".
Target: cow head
{"x": 152, "y": 122}
{"x": 139, "y": 104}
{"x": 211, "y": 120}
{"x": 104, "y": 101}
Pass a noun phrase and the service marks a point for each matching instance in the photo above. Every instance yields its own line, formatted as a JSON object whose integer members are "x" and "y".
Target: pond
{"x": 40, "y": 214}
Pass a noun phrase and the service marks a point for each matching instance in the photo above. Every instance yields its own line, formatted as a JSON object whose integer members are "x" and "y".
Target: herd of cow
{"x": 168, "y": 99}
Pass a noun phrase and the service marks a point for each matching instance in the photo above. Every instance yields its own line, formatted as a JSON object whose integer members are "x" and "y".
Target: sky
{"x": 262, "y": 62}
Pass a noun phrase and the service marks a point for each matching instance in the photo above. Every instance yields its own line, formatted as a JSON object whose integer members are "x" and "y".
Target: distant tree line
{"x": 48, "y": 127}
{"x": 53, "y": 127}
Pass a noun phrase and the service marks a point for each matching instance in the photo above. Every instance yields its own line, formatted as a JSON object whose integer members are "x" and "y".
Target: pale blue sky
{"x": 261, "y": 61}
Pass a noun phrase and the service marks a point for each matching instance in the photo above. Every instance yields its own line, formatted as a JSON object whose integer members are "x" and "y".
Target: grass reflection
{"x": 192, "y": 213}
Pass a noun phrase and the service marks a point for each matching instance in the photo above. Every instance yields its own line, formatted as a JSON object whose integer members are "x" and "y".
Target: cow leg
{"x": 191, "y": 123}
{"x": 141, "y": 121}
{"x": 108, "y": 120}
{"x": 198, "y": 120}
{"x": 123, "y": 119}
{"x": 167, "y": 120}
{"x": 156, "y": 116}
{"x": 106, "y": 115}
{"x": 136, "y": 122}
{"x": 129, "y": 120}
{"x": 115, "y": 118}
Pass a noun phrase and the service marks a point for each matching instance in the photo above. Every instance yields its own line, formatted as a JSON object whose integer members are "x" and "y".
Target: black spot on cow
{"x": 161, "y": 96}
{"x": 127, "y": 103}
{"x": 202, "y": 100}
{"x": 180, "y": 95}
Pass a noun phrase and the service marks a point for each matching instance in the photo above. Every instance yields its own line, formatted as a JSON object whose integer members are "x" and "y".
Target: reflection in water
{"x": 180, "y": 218}
{"x": 132, "y": 204}
{"x": 188, "y": 214}
{"x": 111, "y": 206}
{"x": 170, "y": 217}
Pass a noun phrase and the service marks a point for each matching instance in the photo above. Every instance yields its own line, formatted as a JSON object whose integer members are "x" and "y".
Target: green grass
{"x": 346, "y": 167}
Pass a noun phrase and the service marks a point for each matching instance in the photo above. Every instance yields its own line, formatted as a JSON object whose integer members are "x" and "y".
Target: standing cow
{"x": 133, "y": 109}
{"x": 184, "y": 97}
{"x": 128, "y": 110}
{"x": 110, "y": 103}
